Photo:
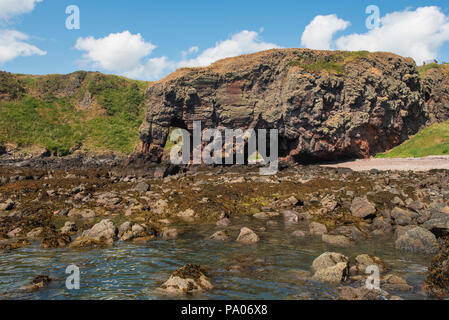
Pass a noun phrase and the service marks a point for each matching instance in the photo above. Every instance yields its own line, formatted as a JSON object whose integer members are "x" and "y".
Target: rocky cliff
{"x": 327, "y": 105}
{"x": 435, "y": 83}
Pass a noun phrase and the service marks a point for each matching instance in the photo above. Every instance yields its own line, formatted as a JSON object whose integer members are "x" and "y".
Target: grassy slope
{"x": 45, "y": 111}
{"x": 433, "y": 140}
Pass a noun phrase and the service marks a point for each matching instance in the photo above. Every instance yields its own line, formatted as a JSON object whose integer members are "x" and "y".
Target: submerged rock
{"x": 38, "y": 283}
{"x": 339, "y": 241}
{"x": 317, "y": 229}
{"x": 220, "y": 236}
{"x": 189, "y": 279}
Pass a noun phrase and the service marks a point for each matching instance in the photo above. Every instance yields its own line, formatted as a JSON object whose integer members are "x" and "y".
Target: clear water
{"x": 129, "y": 271}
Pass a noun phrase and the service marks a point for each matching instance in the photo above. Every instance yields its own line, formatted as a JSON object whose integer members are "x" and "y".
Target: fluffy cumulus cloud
{"x": 119, "y": 52}
{"x": 418, "y": 33}
{"x": 11, "y": 8}
{"x": 129, "y": 54}
{"x": 319, "y": 33}
{"x": 13, "y": 43}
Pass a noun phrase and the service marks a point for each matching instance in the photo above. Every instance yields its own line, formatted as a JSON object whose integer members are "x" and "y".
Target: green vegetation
{"x": 433, "y": 140}
{"x": 50, "y": 111}
{"x": 427, "y": 67}
{"x": 333, "y": 64}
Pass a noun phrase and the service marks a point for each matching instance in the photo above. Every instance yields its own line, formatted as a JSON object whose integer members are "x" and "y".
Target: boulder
{"x": 335, "y": 274}
{"x": 362, "y": 208}
{"x": 328, "y": 259}
{"x": 338, "y": 241}
{"x": 247, "y": 236}
{"x": 81, "y": 213}
{"x": 69, "y": 227}
{"x": 189, "y": 279}
{"x": 417, "y": 240}
{"x": 403, "y": 217}
{"x": 142, "y": 187}
{"x": 363, "y": 261}
{"x": 439, "y": 226}
{"x": 395, "y": 283}
{"x": 317, "y": 229}
{"x": 225, "y": 222}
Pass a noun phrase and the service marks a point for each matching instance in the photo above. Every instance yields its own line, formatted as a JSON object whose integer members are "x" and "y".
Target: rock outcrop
{"x": 326, "y": 105}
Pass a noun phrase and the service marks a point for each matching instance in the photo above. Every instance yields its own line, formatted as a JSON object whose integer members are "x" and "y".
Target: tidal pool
{"x": 129, "y": 271}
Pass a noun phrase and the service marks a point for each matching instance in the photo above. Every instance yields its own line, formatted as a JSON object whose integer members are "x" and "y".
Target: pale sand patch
{"x": 400, "y": 164}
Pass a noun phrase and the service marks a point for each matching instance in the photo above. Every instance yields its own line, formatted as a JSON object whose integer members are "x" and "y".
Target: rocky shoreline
{"x": 79, "y": 204}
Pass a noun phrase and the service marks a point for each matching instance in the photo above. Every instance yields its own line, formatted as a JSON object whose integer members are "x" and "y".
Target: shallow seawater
{"x": 129, "y": 271}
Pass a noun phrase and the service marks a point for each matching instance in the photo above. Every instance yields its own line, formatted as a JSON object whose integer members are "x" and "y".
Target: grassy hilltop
{"x": 83, "y": 110}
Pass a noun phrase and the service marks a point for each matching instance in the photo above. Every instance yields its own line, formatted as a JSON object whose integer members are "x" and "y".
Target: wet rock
{"x": 189, "y": 279}
{"x": 8, "y": 246}
{"x": 335, "y": 274}
{"x": 261, "y": 215}
{"x": 362, "y": 208}
{"x": 36, "y": 232}
{"x": 69, "y": 228}
{"x": 361, "y": 293}
{"x": 225, "y": 222}
{"x": 272, "y": 223}
{"x": 38, "y": 283}
{"x": 438, "y": 226}
{"x": 299, "y": 234}
{"x": 364, "y": 261}
{"x": 395, "y": 283}
{"x": 81, "y": 213}
{"x": 329, "y": 259}
{"x": 352, "y": 232}
{"x": 338, "y": 241}
{"x": 159, "y": 207}
{"x": 187, "y": 215}
{"x": 317, "y": 229}
{"x": 291, "y": 217}
{"x": 8, "y": 205}
{"x": 15, "y": 233}
{"x": 380, "y": 227}
{"x": 437, "y": 280}
{"x": 247, "y": 236}
{"x": 104, "y": 229}
{"x": 169, "y": 234}
{"x": 418, "y": 240}
{"x": 103, "y": 233}
{"x": 403, "y": 217}
{"x": 220, "y": 236}
{"x": 56, "y": 241}
{"x": 142, "y": 187}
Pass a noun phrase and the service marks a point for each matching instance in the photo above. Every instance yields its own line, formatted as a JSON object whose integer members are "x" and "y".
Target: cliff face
{"x": 435, "y": 83}
{"x": 327, "y": 105}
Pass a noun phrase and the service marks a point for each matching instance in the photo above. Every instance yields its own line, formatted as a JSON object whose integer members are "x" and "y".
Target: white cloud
{"x": 241, "y": 43}
{"x": 12, "y": 45}
{"x": 11, "y": 8}
{"x": 319, "y": 33}
{"x": 416, "y": 33}
{"x": 119, "y": 52}
{"x": 129, "y": 54}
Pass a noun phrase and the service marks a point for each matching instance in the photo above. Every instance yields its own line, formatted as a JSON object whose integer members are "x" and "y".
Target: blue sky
{"x": 169, "y": 28}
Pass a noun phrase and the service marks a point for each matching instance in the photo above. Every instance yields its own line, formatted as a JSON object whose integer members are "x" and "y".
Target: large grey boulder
{"x": 417, "y": 240}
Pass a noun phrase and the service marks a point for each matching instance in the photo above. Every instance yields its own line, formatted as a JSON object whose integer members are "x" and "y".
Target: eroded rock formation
{"x": 327, "y": 105}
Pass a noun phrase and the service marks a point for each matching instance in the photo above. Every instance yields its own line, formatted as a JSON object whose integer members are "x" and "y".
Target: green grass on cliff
{"x": 334, "y": 64}
{"x": 433, "y": 140}
{"x": 48, "y": 114}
